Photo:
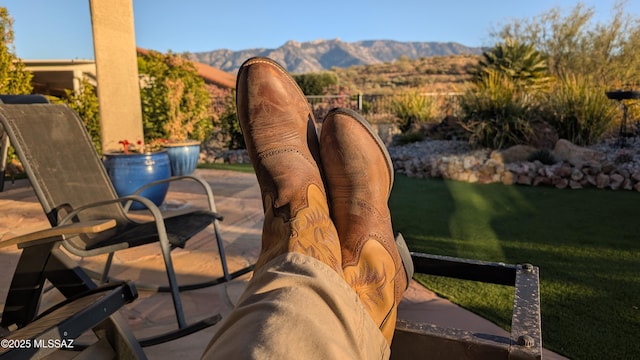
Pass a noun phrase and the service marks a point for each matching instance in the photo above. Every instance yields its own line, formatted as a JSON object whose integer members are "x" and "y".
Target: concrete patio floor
{"x": 238, "y": 200}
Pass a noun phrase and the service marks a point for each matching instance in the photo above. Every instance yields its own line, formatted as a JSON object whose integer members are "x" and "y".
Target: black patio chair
{"x": 28, "y": 332}
{"x": 72, "y": 185}
{"x": 4, "y": 138}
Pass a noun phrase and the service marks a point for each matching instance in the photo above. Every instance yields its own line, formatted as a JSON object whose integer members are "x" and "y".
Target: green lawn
{"x": 586, "y": 243}
{"x": 248, "y": 168}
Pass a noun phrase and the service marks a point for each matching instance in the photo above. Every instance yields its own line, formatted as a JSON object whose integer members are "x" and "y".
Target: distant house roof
{"x": 210, "y": 74}
{"x": 53, "y": 77}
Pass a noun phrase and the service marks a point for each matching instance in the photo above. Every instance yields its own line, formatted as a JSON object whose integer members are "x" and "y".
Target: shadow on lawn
{"x": 584, "y": 241}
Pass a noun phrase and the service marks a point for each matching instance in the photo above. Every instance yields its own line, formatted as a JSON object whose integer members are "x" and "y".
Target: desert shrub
{"x": 579, "y": 109}
{"x": 230, "y": 126}
{"x": 174, "y": 98}
{"x": 315, "y": 83}
{"x": 545, "y": 156}
{"x": 411, "y": 109}
{"x": 496, "y": 112}
{"x": 408, "y": 137}
{"x": 366, "y": 107}
{"x": 85, "y": 103}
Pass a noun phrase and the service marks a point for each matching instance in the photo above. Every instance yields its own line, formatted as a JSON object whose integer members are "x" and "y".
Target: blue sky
{"x": 49, "y": 29}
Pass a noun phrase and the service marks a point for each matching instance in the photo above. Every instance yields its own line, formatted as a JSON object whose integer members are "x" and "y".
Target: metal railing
{"x": 377, "y": 107}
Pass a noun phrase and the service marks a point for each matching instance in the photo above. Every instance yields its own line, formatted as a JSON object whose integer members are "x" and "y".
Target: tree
{"x": 609, "y": 53}
{"x": 14, "y": 79}
{"x": 85, "y": 103}
{"x": 175, "y": 102}
{"x": 315, "y": 83}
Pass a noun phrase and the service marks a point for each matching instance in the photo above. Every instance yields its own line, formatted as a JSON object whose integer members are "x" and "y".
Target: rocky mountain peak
{"x": 318, "y": 55}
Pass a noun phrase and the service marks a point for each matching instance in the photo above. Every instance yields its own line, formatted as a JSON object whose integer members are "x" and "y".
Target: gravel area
{"x": 438, "y": 148}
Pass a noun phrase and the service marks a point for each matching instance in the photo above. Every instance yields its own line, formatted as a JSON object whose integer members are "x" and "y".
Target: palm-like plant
{"x": 518, "y": 61}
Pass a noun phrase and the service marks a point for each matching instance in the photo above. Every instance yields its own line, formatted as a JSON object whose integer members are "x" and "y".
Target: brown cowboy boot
{"x": 359, "y": 176}
{"x": 279, "y": 131}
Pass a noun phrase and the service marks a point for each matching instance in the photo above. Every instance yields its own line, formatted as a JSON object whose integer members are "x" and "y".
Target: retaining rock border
{"x": 577, "y": 167}
{"x": 597, "y": 166}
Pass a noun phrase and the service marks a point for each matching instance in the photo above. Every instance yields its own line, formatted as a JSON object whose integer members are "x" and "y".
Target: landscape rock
{"x": 576, "y": 174}
{"x": 562, "y": 183}
{"x": 581, "y": 167}
{"x": 524, "y": 180}
{"x": 508, "y": 178}
{"x": 575, "y": 184}
{"x": 576, "y": 155}
{"x": 563, "y": 171}
{"x": 602, "y": 181}
{"x": 513, "y": 154}
{"x": 616, "y": 181}
{"x": 541, "y": 180}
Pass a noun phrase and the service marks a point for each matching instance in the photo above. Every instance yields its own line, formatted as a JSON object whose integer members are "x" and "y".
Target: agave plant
{"x": 519, "y": 61}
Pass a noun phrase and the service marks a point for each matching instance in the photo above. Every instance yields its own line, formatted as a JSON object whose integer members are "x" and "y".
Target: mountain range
{"x": 319, "y": 55}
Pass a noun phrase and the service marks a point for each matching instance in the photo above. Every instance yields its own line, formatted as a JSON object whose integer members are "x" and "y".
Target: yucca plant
{"x": 496, "y": 112}
{"x": 579, "y": 109}
{"x": 412, "y": 108}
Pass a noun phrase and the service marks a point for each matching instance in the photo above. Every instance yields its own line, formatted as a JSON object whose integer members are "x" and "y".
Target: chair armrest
{"x": 205, "y": 186}
{"x": 155, "y": 211}
{"x": 54, "y": 234}
{"x": 158, "y": 217}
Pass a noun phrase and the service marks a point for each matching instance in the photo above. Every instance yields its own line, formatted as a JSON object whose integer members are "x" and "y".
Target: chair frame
{"x": 413, "y": 340}
{"x": 88, "y": 307}
{"x": 159, "y": 220}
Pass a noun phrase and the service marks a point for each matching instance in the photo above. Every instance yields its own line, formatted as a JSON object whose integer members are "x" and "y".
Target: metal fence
{"x": 379, "y": 108}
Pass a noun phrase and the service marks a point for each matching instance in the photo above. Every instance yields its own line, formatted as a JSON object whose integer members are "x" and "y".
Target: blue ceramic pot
{"x": 183, "y": 157}
{"x": 128, "y": 172}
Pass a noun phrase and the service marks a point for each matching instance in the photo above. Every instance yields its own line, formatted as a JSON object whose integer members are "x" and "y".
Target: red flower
{"x": 125, "y": 145}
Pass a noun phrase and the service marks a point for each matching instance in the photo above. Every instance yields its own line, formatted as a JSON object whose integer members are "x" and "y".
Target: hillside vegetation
{"x": 440, "y": 74}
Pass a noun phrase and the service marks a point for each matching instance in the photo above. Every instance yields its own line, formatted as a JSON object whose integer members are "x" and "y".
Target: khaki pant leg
{"x": 296, "y": 307}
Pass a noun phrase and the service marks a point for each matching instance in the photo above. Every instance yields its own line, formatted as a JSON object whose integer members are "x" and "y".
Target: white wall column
{"x": 117, "y": 72}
